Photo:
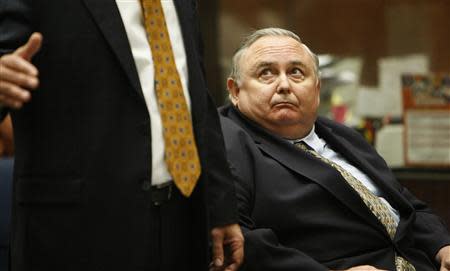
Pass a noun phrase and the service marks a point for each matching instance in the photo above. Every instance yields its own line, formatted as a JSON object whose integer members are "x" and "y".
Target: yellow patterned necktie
{"x": 375, "y": 205}
{"x": 181, "y": 155}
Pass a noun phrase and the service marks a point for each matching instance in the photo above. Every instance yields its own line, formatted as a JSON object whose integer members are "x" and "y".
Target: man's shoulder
{"x": 224, "y": 110}
{"x": 237, "y": 133}
{"x": 331, "y": 123}
{"x": 337, "y": 128}
{"x": 228, "y": 118}
{"x": 230, "y": 124}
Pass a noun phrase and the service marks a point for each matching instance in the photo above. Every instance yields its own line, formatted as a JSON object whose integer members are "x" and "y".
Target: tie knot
{"x": 302, "y": 145}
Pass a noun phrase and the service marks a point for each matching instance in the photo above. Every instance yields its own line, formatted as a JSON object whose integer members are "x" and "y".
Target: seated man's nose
{"x": 283, "y": 85}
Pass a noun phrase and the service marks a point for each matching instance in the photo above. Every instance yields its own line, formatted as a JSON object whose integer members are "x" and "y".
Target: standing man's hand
{"x": 18, "y": 75}
{"x": 228, "y": 248}
{"x": 443, "y": 257}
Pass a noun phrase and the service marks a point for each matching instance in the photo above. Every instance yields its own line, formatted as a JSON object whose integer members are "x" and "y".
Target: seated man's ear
{"x": 233, "y": 91}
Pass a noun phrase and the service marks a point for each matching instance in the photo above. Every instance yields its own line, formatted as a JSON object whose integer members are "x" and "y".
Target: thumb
{"x": 29, "y": 49}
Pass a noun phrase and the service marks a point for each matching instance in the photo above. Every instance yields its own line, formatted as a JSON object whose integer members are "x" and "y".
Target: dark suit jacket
{"x": 298, "y": 213}
{"x": 83, "y": 142}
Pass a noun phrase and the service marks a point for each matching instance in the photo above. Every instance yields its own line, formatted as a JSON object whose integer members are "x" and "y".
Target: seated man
{"x": 313, "y": 195}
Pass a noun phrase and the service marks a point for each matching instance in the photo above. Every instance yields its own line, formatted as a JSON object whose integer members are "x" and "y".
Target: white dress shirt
{"x": 132, "y": 17}
{"x": 322, "y": 148}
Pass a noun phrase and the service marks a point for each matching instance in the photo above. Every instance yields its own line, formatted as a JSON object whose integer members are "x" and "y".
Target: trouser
{"x": 171, "y": 231}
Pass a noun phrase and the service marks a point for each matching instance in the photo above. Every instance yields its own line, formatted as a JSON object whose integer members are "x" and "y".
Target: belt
{"x": 162, "y": 193}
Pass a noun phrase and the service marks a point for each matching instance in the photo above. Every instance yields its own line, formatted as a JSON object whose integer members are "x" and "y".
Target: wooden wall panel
{"x": 435, "y": 193}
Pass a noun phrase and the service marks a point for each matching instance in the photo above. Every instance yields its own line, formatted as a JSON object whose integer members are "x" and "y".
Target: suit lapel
{"x": 320, "y": 173}
{"x": 107, "y": 17}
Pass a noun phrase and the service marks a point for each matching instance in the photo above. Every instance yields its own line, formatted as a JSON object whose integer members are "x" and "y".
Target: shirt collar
{"x": 312, "y": 140}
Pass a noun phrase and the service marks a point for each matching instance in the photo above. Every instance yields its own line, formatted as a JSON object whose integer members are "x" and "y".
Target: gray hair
{"x": 257, "y": 34}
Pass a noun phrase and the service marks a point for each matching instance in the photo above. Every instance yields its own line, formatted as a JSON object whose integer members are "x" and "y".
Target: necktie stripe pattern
{"x": 181, "y": 155}
{"x": 375, "y": 205}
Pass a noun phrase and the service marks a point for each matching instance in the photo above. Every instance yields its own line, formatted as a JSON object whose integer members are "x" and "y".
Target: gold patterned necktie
{"x": 375, "y": 205}
{"x": 181, "y": 155}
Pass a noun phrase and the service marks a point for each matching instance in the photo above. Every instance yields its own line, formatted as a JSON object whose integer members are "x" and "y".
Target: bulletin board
{"x": 426, "y": 113}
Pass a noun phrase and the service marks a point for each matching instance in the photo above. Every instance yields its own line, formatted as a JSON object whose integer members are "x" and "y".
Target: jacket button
{"x": 146, "y": 185}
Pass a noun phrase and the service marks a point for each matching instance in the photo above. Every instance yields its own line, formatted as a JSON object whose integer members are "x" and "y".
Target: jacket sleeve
{"x": 15, "y": 24}
{"x": 220, "y": 195}
{"x": 221, "y": 190}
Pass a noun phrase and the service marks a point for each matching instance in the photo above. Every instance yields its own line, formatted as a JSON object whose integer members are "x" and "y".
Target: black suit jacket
{"x": 83, "y": 146}
{"x": 298, "y": 213}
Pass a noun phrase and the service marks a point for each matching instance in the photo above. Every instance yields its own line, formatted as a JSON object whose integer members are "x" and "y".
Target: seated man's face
{"x": 278, "y": 87}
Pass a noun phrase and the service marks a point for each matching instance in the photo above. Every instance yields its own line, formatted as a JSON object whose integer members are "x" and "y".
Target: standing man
{"x": 313, "y": 194}
{"x": 119, "y": 155}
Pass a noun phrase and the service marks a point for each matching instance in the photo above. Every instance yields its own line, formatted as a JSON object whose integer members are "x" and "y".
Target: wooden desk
{"x": 429, "y": 185}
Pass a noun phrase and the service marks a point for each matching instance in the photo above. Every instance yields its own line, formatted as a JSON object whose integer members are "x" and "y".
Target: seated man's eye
{"x": 266, "y": 75}
{"x": 266, "y": 72}
{"x": 296, "y": 71}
